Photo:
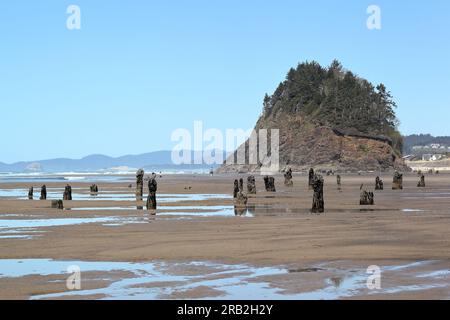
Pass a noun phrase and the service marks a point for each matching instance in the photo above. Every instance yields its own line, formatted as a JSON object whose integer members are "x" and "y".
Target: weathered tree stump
{"x": 152, "y": 188}
{"x": 338, "y": 181}
{"x": 139, "y": 184}
{"x": 379, "y": 185}
{"x": 421, "y": 183}
{"x": 241, "y": 185}
{"x": 58, "y": 204}
{"x": 43, "y": 193}
{"x": 67, "y": 193}
{"x": 310, "y": 178}
{"x": 241, "y": 200}
{"x": 366, "y": 198}
{"x": 397, "y": 183}
{"x": 30, "y": 193}
{"x": 269, "y": 183}
{"x": 318, "y": 205}
{"x": 94, "y": 189}
{"x": 236, "y": 188}
{"x": 288, "y": 178}
{"x": 251, "y": 185}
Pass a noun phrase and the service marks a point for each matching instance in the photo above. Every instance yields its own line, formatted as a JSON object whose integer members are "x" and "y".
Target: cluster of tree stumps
{"x": 316, "y": 184}
{"x": 367, "y": 198}
{"x": 151, "y": 202}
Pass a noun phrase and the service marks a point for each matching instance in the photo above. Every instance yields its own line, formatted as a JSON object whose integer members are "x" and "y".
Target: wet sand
{"x": 403, "y": 227}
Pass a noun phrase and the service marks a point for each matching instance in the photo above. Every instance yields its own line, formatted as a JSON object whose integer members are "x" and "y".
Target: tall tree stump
{"x": 379, "y": 185}
{"x": 397, "y": 183}
{"x": 421, "y": 183}
{"x": 318, "y": 205}
{"x": 139, "y": 184}
{"x": 67, "y": 193}
{"x": 152, "y": 188}
{"x": 30, "y": 193}
{"x": 43, "y": 192}
{"x": 311, "y": 179}
{"x": 269, "y": 183}
{"x": 288, "y": 178}
{"x": 235, "y": 188}
{"x": 251, "y": 185}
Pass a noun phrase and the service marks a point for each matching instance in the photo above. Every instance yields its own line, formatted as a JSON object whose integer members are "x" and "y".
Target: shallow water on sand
{"x": 57, "y": 193}
{"x": 28, "y": 228}
{"x": 161, "y": 280}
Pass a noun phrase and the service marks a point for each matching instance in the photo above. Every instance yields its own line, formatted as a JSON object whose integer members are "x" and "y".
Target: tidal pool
{"x": 210, "y": 280}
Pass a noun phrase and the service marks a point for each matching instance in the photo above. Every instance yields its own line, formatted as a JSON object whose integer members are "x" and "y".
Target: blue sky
{"x": 138, "y": 70}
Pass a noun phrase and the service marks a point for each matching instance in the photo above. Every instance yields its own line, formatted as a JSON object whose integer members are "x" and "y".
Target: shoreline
{"x": 404, "y": 226}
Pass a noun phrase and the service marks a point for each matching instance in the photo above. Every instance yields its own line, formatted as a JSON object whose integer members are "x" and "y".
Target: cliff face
{"x": 310, "y": 136}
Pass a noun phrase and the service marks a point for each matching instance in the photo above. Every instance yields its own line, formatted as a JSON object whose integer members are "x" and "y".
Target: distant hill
{"x": 422, "y": 140}
{"x": 330, "y": 118}
{"x": 158, "y": 159}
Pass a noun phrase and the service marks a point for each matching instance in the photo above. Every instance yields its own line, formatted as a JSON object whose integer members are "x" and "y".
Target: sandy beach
{"x": 196, "y": 247}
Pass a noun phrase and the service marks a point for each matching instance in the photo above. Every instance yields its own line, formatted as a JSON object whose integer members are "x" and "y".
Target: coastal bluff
{"x": 331, "y": 119}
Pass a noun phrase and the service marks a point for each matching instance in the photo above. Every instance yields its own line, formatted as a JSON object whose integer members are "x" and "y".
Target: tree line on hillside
{"x": 337, "y": 98}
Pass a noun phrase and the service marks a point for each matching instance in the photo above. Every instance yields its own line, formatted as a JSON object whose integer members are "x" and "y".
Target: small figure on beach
{"x": 366, "y": 198}
{"x": 379, "y": 185}
{"x": 421, "y": 183}
{"x": 67, "y": 193}
{"x": 152, "y": 188}
{"x": 43, "y": 192}
{"x": 338, "y": 181}
{"x": 236, "y": 188}
{"x": 139, "y": 184}
{"x": 310, "y": 178}
{"x": 318, "y": 205}
{"x": 288, "y": 178}
{"x": 397, "y": 183}
{"x": 30, "y": 193}
{"x": 94, "y": 189}
{"x": 211, "y": 172}
{"x": 269, "y": 183}
{"x": 58, "y": 204}
{"x": 241, "y": 185}
{"x": 251, "y": 185}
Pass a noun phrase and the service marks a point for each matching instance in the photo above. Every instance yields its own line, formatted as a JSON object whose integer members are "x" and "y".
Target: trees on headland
{"x": 337, "y": 98}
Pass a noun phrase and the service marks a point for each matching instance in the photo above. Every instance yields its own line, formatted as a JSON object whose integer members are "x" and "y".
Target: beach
{"x": 197, "y": 247}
